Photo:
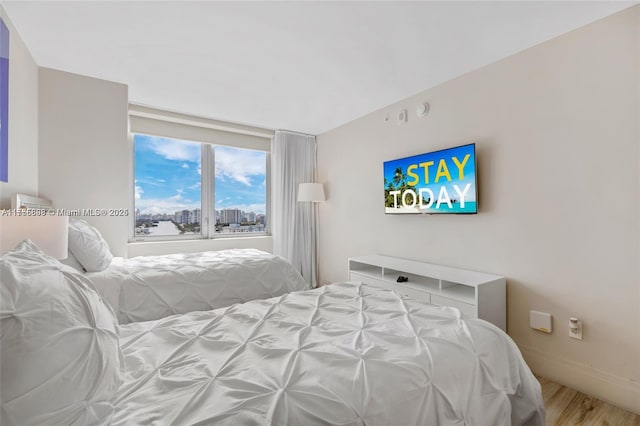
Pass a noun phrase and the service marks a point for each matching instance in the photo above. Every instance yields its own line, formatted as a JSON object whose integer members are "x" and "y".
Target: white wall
{"x": 23, "y": 119}
{"x": 557, "y": 133}
{"x": 84, "y": 149}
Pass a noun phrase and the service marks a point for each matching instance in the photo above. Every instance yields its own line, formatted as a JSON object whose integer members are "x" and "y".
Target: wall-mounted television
{"x": 433, "y": 183}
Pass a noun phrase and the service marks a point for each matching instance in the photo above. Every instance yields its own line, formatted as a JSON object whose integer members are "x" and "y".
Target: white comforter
{"x": 344, "y": 354}
{"x": 152, "y": 287}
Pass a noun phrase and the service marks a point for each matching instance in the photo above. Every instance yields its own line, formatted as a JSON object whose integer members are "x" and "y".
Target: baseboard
{"x": 610, "y": 388}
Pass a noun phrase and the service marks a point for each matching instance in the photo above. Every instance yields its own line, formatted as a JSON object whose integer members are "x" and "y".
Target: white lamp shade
{"x": 311, "y": 192}
{"x": 49, "y": 233}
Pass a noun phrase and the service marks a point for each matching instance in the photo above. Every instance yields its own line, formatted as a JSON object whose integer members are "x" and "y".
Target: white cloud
{"x": 175, "y": 150}
{"x": 239, "y": 165}
{"x": 139, "y": 192}
{"x": 185, "y": 166}
{"x": 168, "y": 205}
{"x": 152, "y": 181}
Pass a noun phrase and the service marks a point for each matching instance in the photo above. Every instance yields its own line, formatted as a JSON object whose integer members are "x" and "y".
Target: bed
{"x": 152, "y": 287}
{"x": 344, "y": 354}
{"x": 145, "y": 288}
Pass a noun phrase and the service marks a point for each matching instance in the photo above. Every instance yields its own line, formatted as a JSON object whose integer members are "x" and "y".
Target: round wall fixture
{"x": 422, "y": 109}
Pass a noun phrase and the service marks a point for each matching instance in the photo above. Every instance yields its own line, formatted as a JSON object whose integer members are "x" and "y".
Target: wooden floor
{"x": 569, "y": 407}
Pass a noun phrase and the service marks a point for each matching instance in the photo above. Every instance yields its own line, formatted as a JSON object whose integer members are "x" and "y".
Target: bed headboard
{"x": 23, "y": 201}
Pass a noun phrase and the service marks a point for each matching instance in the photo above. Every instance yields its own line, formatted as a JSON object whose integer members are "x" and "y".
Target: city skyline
{"x": 194, "y": 216}
{"x": 188, "y": 222}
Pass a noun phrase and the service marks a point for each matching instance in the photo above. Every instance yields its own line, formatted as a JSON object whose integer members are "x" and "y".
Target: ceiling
{"x": 303, "y": 66}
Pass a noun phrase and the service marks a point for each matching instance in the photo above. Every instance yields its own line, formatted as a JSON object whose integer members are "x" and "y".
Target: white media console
{"x": 475, "y": 294}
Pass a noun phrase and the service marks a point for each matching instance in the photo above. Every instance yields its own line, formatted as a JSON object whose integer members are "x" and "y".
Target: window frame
{"x": 207, "y": 189}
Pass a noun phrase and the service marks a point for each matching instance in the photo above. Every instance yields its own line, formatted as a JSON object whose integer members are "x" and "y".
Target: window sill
{"x": 154, "y": 248}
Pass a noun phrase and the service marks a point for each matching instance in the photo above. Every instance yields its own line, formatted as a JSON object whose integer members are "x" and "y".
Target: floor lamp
{"x": 314, "y": 193}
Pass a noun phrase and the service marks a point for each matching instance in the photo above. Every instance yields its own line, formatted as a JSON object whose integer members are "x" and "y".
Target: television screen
{"x": 436, "y": 182}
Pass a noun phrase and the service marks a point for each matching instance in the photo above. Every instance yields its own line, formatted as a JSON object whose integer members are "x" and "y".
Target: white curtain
{"x": 293, "y": 161}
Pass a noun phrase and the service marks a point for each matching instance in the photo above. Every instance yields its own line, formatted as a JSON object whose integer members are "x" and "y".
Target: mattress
{"x": 151, "y": 287}
{"x": 343, "y": 354}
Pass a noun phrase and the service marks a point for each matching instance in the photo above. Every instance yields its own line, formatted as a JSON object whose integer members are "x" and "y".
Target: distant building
{"x": 235, "y": 228}
{"x": 151, "y": 217}
{"x": 225, "y": 216}
{"x": 183, "y": 216}
{"x": 230, "y": 216}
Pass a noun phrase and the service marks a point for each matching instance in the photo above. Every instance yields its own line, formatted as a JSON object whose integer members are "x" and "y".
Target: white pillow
{"x": 88, "y": 246}
{"x": 61, "y": 359}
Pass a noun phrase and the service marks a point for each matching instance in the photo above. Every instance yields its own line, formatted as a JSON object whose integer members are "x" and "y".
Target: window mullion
{"x": 267, "y": 211}
{"x": 204, "y": 225}
{"x": 207, "y": 189}
{"x": 212, "y": 190}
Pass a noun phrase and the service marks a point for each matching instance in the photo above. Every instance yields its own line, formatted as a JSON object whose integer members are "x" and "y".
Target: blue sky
{"x": 447, "y": 154}
{"x": 168, "y": 176}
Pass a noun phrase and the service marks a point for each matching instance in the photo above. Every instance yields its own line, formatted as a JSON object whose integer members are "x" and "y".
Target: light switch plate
{"x": 540, "y": 321}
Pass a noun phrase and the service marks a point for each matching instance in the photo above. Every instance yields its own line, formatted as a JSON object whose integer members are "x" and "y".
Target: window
{"x": 186, "y": 189}
{"x": 168, "y": 183}
{"x": 240, "y": 190}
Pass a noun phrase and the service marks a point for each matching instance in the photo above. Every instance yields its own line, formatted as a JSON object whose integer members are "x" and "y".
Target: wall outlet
{"x": 575, "y": 328}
